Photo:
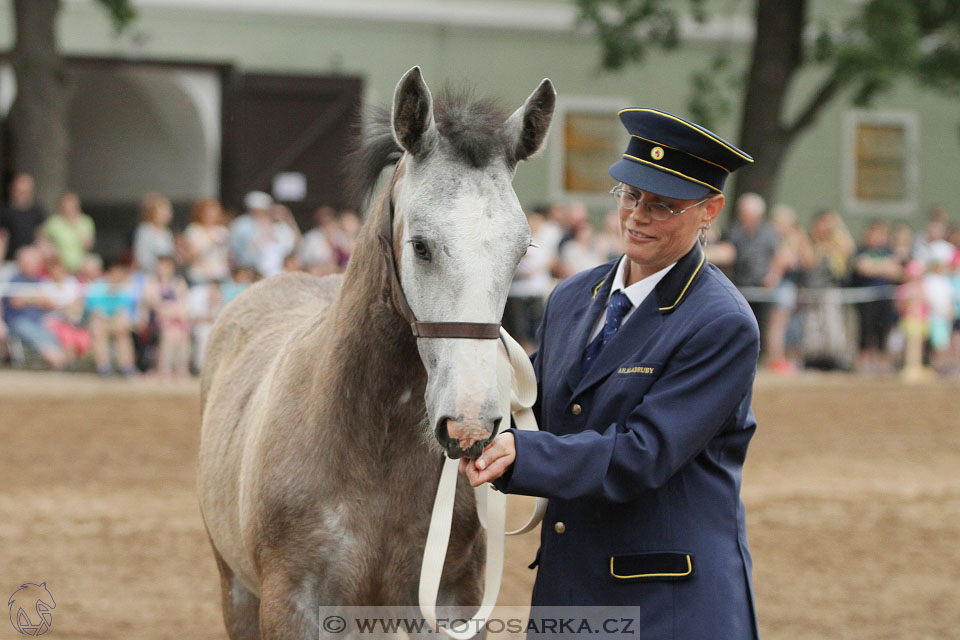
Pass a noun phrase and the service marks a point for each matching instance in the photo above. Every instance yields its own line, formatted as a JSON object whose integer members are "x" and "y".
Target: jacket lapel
{"x": 584, "y": 320}
{"x": 669, "y": 293}
{"x": 643, "y": 323}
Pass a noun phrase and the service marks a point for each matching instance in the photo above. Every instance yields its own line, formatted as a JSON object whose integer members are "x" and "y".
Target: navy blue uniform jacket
{"x": 641, "y": 458}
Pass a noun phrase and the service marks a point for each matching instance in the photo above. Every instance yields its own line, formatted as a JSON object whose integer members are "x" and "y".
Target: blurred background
{"x": 158, "y": 156}
{"x": 138, "y": 128}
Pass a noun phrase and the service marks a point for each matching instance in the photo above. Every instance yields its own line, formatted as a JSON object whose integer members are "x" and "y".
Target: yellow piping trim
{"x": 703, "y": 257}
{"x": 687, "y": 124}
{"x": 655, "y": 575}
{"x": 597, "y": 288}
{"x": 693, "y": 155}
{"x": 682, "y": 175}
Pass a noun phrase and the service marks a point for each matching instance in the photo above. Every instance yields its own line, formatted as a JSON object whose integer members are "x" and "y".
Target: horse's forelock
{"x": 471, "y": 128}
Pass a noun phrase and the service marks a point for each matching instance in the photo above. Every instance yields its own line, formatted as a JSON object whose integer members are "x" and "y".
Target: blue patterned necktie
{"x": 617, "y": 308}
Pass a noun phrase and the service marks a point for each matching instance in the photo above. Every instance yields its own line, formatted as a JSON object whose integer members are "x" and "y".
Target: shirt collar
{"x": 638, "y": 291}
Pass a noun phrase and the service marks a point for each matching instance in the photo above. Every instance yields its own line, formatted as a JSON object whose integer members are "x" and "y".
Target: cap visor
{"x": 657, "y": 181}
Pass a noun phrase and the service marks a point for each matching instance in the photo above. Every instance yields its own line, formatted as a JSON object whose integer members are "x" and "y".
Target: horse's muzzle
{"x": 465, "y": 438}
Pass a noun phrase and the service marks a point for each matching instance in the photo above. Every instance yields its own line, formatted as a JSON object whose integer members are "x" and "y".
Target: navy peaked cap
{"x": 674, "y": 158}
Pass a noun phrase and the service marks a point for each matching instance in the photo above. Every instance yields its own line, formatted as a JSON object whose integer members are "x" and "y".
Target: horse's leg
{"x": 289, "y": 610}
{"x": 240, "y": 605}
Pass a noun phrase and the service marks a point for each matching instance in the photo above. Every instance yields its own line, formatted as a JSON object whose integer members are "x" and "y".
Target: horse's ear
{"x": 527, "y": 128}
{"x": 412, "y": 114}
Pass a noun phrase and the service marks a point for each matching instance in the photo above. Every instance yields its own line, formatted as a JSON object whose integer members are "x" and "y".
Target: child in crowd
{"x": 913, "y": 312}
{"x": 316, "y": 252}
{"x": 166, "y": 296}
{"x": 291, "y": 264}
{"x": 66, "y": 319}
{"x": 240, "y": 279}
{"x": 91, "y": 269}
{"x": 206, "y": 301}
{"x": 938, "y": 294}
{"x": 3, "y": 339}
{"x": 109, "y": 303}
{"x": 955, "y": 334}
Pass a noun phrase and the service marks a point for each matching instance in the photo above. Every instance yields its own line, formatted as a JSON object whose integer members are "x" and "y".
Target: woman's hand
{"x": 495, "y": 460}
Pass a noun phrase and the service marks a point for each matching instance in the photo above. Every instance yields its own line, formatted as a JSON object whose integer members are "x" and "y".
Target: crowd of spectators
{"x": 823, "y": 300}
{"x": 888, "y": 302}
{"x": 149, "y": 310}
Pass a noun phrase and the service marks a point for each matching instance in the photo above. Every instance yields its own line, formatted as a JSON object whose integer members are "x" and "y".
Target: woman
{"x": 71, "y": 231}
{"x": 644, "y": 428}
{"x": 153, "y": 237}
{"x": 208, "y": 242}
{"x": 825, "y": 341}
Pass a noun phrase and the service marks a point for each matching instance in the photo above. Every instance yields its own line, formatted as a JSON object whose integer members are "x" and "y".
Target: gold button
{"x": 576, "y": 409}
{"x": 559, "y": 527}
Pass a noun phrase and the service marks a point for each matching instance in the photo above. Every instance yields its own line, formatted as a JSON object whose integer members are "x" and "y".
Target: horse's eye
{"x": 420, "y": 249}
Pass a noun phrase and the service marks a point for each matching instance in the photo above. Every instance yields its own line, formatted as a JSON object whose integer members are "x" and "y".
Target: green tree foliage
{"x": 881, "y": 43}
{"x": 121, "y": 11}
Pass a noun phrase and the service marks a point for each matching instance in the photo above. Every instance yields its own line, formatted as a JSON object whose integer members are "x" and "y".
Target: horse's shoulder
{"x": 293, "y": 289}
{"x": 254, "y": 325}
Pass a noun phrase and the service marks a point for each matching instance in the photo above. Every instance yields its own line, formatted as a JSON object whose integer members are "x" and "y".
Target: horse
{"x": 325, "y": 419}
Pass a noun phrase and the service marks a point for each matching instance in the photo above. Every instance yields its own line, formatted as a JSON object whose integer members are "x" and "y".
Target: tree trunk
{"x": 39, "y": 137}
{"x": 777, "y": 51}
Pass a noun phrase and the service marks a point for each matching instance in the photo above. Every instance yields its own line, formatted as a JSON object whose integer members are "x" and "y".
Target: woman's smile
{"x": 639, "y": 236}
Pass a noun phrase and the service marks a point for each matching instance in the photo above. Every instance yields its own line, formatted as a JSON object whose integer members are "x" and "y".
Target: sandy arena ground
{"x": 852, "y": 489}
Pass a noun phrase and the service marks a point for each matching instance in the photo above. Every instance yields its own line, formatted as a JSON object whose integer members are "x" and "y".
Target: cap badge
{"x": 657, "y": 153}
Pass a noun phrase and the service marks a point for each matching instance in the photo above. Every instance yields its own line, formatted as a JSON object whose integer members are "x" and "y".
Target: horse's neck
{"x": 374, "y": 362}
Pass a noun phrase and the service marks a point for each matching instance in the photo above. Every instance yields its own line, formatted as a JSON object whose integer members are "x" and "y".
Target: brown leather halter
{"x": 474, "y": 330}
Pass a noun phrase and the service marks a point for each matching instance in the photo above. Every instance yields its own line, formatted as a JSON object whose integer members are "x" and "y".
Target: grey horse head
{"x": 462, "y": 234}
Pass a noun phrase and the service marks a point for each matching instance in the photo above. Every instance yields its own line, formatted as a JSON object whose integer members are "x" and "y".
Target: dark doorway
{"x": 296, "y": 125}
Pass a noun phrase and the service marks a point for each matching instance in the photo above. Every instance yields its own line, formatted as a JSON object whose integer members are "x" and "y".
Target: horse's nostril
{"x": 441, "y": 431}
{"x": 495, "y": 430}
{"x": 468, "y": 433}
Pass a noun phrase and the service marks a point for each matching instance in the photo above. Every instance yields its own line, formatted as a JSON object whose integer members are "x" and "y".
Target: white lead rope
{"x": 518, "y": 392}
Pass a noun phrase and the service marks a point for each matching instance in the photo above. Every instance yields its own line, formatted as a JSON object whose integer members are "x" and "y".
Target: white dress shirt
{"x": 637, "y": 292}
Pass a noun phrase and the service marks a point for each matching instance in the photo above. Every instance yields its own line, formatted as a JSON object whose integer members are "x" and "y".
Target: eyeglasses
{"x": 657, "y": 210}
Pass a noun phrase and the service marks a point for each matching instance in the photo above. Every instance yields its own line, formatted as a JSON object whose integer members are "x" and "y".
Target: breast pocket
{"x": 628, "y": 384}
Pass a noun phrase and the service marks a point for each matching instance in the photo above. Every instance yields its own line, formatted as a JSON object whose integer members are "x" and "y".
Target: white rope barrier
{"x": 76, "y": 290}
{"x": 849, "y": 295}
{"x": 846, "y": 295}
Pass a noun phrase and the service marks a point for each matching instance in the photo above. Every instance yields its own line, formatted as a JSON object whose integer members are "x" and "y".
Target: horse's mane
{"x": 472, "y": 129}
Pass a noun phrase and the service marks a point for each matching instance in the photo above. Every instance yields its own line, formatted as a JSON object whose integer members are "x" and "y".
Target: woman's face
{"x": 822, "y": 227}
{"x": 165, "y": 269}
{"x": 70, "y": 207}
{"x": 877, "y": 236}
{"x": 163, "y": 214}
{"x": 210, "y": 215}
{"x": 653, "y": 244}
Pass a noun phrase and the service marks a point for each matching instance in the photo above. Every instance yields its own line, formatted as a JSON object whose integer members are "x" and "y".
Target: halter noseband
{"x": 474, "y": 330}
